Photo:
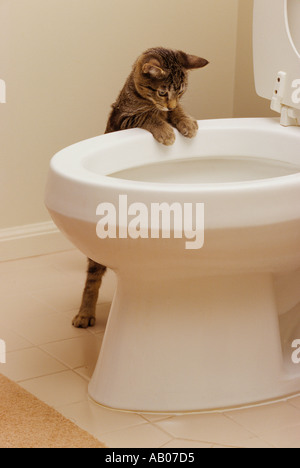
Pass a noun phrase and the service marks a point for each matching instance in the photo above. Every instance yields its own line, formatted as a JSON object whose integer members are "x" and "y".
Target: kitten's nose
{"x": 172, "y": 105}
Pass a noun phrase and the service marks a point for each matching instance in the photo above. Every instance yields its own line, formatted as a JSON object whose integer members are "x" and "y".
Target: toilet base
{"x": 184, "y": 344}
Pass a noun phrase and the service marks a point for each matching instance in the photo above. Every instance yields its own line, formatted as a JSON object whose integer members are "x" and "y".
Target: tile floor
{"x": 54, "y": 361}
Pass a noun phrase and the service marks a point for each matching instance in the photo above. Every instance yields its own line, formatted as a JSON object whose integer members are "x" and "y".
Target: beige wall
{"x": 246, "y": 102}
{"x": 64, "y": 62}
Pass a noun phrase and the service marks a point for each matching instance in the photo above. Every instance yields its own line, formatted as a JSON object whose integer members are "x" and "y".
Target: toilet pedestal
{"x": 183, "y": 344}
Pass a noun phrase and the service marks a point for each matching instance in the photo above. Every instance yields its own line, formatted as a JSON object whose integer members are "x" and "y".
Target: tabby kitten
{"x": 149, "y": 100}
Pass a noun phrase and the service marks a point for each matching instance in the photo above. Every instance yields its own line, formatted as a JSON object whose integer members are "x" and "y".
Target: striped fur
{"x": 148, "y": 100}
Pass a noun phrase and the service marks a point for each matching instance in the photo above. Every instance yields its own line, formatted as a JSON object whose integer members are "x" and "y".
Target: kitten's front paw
{"x": 188, "y": 127}
{"x": 82, "y": 321}
{"x": 164, "y": 135}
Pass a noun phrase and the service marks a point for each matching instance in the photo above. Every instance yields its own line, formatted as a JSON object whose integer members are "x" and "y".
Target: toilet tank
{"x": 276, "y": 45}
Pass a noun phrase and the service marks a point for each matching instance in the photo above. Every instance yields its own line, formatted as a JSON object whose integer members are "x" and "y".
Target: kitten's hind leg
{"x": 86, "y": 316}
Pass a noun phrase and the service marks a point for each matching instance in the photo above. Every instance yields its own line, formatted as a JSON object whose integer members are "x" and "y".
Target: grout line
{"x": 290, "y": 403}
{"x": 257, "y": 436}
{"x": 47, "y": 254}
{"x": 41, "y": 376}
{"x": 164, "y": 445}
{"x": 191, "y": 440}
{"x": 162, "y": 429}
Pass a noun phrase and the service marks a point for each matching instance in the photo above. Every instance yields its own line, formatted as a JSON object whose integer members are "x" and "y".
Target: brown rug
{"x": 26, "y": 422}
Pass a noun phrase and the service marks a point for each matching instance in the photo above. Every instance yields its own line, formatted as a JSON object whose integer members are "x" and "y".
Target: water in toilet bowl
{"x": 208, "y": 170}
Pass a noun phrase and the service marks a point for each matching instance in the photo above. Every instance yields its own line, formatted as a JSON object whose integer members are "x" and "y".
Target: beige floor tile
{"x": 21, "y": 308}
{"x": 76, "y": 352}
{"x": 13, "y": 265}
{"x": 141, "y": 436}
{"x": 70, "y": 261}
{"x": 29, "y": 363}
{"x": 63, "y": 298}
{"x": 153, "y": 417}
{"x": 255, "y": 443}
{"x": 218, "y": 446}
{"x": 208, "y": 428}
{"x": 85, "y": 372}
{"x": 295, "y": 402}
{"x": 13, "y": 341}
{"x": 33, "y": 262}
{"x": 98, "y": 420}
{"x": 263, "y": 420}
{"x": 285, "y": 437}
{"x": 181, "y": 443}
{"x": 32, "y": 279}
{"x": 58, "y": 389}
{"x": 47, "y": 328}
{"x": 10, "y": 285}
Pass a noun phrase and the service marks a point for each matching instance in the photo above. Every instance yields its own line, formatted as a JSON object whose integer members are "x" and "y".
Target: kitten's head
{"x": 160, "y": 76}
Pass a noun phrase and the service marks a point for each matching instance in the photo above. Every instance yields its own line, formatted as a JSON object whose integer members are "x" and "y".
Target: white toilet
{"x": 206, "y": 314}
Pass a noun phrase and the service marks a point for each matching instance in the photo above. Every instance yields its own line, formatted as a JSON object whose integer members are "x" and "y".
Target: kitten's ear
{"x": 153, "y": 69}
{"x": 192, "y": 61}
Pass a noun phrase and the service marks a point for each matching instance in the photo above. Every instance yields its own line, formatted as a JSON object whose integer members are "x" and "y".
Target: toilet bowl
{"x": 204, "y": 237}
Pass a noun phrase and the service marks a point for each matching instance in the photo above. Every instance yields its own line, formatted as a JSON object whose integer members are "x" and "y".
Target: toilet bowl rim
{"x": 68, "y": 163}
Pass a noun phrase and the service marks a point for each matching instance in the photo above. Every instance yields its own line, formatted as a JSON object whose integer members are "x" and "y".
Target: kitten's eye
{"x": 162, "y": 93}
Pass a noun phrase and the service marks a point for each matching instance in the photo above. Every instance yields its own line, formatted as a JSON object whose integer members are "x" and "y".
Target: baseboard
{"x": 31, "y": 240}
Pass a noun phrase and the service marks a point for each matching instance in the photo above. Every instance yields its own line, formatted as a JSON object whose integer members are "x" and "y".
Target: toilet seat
{"x": 276, "y": 58}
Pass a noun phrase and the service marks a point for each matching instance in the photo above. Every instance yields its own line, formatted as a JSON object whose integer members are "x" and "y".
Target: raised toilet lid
{"x": 276, "y": 52}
